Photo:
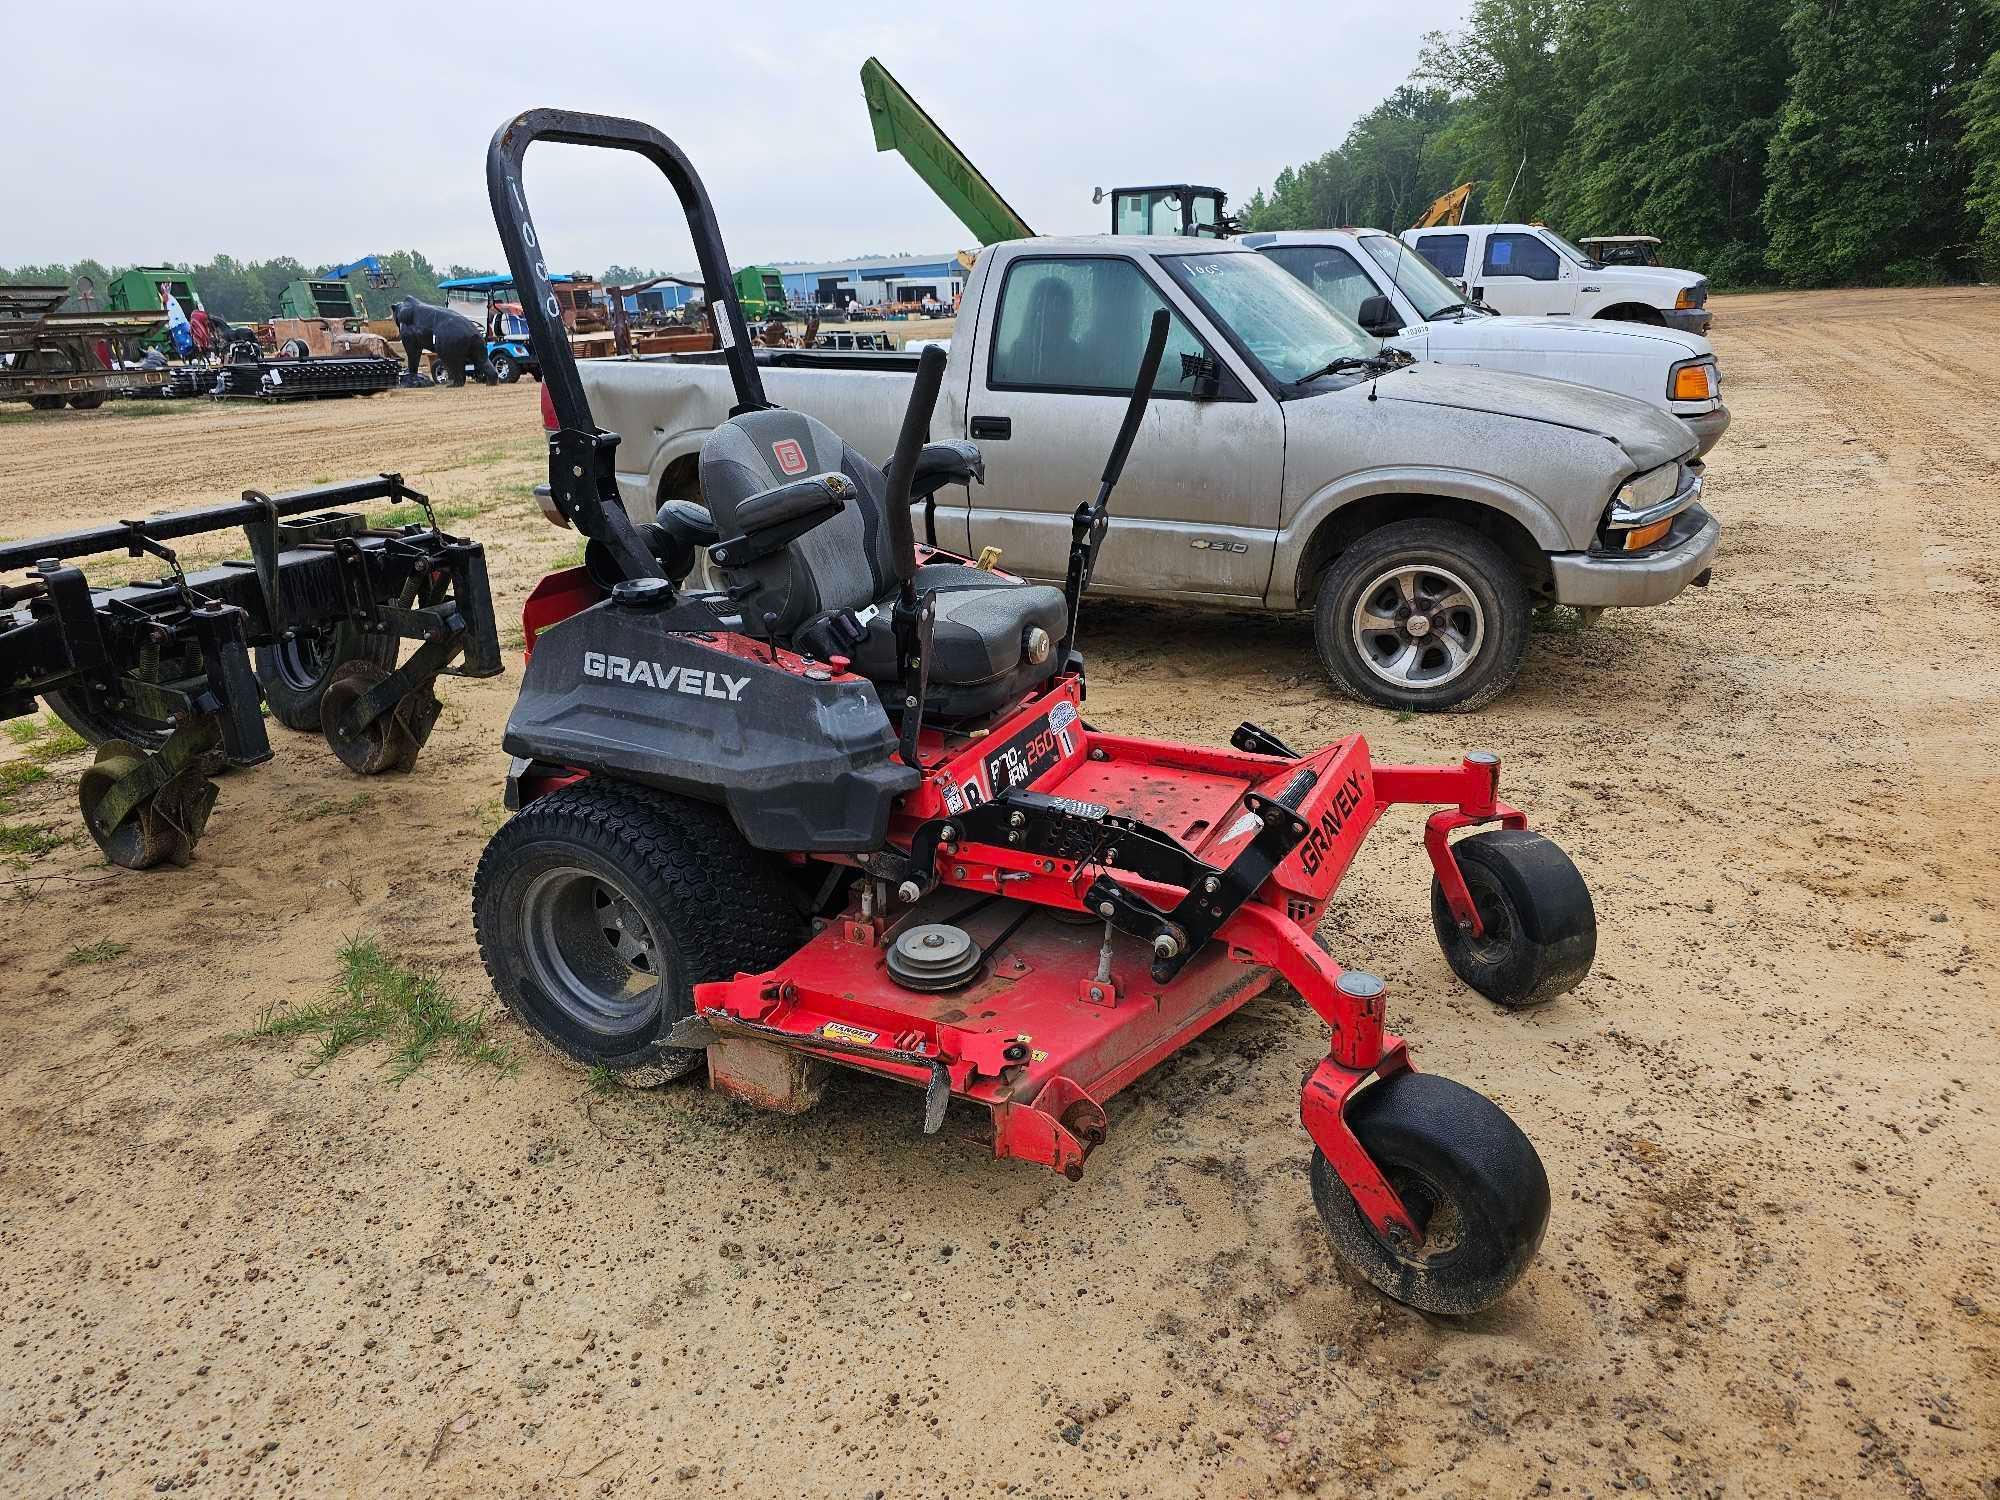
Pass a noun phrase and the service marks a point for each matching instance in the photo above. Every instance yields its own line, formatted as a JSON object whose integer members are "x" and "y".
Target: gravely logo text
{"x": 641, "y": 673}
{"x": 1313, "y": 852}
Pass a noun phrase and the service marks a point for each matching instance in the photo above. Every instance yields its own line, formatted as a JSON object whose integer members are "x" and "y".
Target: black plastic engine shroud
{"x": 803, "y": 766}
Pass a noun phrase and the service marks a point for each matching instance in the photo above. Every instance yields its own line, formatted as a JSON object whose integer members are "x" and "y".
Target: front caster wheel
{"x": 599, "y": 907}
{"x": 161, "y": 827}
{"x": 389, "y": 742}
{"x": 1468, "y": 1177}
{"x": 1540, "y": 928}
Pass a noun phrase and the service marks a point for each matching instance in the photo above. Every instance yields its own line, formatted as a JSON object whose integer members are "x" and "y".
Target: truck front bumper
{"x": 1613, "y": 579}
{"x": 1709, "y": 427}
{"x": 1695, "y": 320}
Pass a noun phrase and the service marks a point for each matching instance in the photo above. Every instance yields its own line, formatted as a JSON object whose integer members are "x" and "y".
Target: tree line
{"x": 1794, "y": 142}
{"x": 248, "y": 291}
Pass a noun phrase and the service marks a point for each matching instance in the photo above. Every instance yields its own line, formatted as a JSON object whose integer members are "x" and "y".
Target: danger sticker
{"x": 790, "y": 456}
{"x": 835, "y": 1031}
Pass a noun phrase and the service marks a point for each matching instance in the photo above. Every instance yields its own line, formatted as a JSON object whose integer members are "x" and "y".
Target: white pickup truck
{"x": 1376, "y": 280}
{"x": 1531, "y": 271}
{"x": 1288, "y": 460}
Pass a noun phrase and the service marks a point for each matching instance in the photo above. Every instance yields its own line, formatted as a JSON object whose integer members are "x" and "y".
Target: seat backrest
{"x": 843, "y": 564}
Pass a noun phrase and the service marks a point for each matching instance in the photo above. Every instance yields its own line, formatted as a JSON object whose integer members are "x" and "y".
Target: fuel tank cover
{"x": 643, "y": 593}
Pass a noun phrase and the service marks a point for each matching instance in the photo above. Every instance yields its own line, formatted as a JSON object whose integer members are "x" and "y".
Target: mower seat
{"x": 993, "y": 637}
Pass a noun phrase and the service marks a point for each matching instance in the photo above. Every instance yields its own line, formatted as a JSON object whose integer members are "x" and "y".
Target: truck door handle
{"x": 992, "y": 429}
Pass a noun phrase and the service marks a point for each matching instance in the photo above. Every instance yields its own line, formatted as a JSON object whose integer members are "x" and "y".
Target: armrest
{"x": 940, "y": 464}
{"x": 684, "y": 518}
{"x": 775, "y": 519}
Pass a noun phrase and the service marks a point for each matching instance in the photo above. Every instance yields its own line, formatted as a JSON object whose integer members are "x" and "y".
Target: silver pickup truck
{"x": 1289, "y": 460}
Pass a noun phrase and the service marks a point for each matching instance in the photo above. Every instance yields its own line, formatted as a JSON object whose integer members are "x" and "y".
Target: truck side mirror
{"x": 1205, "y": 373}
{"x": 1378, "y": 317}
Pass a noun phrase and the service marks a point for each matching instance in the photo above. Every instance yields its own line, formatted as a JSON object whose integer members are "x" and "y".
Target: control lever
{"x": 1088, "y": 525}
{"x": 911, "y": 618}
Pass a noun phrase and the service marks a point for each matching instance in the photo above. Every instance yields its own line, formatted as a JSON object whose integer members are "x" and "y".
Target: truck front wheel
{"x": 1422, "y": 614}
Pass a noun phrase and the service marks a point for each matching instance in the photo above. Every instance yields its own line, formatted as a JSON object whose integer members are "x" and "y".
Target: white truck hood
{"x": 1648, "y": 436}
{"x": 1658, "y": 284}
{"x": 1484, "y": 335}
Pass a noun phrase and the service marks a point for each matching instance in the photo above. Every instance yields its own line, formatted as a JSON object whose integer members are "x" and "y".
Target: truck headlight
{"x": 1695, "y": 381}
{"x": 1644, "y": 491}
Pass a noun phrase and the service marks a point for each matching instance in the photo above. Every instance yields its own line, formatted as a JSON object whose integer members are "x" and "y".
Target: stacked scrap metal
{"x": 190, "y": 380}
{"x": 292, "y": 380}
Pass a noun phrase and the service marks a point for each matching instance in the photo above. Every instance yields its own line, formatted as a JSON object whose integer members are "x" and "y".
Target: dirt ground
{"x": 1771, "y": 1116}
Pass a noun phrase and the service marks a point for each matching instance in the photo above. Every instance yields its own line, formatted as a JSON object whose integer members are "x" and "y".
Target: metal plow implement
{"x": 168, "y": 677}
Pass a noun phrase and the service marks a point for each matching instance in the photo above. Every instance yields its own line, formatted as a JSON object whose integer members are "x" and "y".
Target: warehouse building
{"x": 871, "y": 283}
{"x": 891, "y": 278}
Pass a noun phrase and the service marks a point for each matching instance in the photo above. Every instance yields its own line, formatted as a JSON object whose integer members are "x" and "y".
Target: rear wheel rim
{"x": 593, "y": 951}
{"x": 1417, "y": 626}
{"x": 302, "y": 660}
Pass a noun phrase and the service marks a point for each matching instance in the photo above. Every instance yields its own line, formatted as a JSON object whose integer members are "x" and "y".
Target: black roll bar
{"x": 581, "y": 470}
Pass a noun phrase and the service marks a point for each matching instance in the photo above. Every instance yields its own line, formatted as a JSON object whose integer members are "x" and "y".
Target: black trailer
{"x": 159, "y": 674}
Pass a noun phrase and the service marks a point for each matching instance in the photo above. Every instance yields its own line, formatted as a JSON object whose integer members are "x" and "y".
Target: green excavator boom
{"x": 901, "y": 125}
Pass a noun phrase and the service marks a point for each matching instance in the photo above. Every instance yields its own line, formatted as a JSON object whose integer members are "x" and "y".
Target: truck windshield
{"x": 1415, "y": 277}
{"x": 1270, "y": 315}
{"x": 1567, "y": 248}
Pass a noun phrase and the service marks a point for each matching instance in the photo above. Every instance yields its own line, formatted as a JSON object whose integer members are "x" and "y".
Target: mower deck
{"x": 1064, "y": 1009}
{"x": 1022, "y": 1029}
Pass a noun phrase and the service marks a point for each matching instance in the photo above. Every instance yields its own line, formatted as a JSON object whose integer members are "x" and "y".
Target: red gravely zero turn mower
{"x": 848, "y": 812}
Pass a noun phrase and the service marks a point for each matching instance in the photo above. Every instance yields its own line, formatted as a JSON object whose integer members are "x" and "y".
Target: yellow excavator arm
{"x": 1447, "y": 208}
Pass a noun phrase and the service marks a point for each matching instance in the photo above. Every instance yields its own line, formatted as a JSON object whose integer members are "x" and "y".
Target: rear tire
{"x": 100, "y": 727}
{"x": 1540, "y": 925}
{"x": 86, "y": 403}
{"x": 600, "y": 906}
{"x": 1467, "y": 1175}
{"x": 505, "y": 368}
{"x": 1465, "y": 589}
{"x": 294, "y": 673}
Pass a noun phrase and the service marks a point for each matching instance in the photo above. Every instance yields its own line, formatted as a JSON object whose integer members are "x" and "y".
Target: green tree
{"x": 1515, "y": 66}
{"x": 1982, "y": 150}
{"x": 1679, "y": 107}
{"x": 1869, "y": 172}
{"x": 1381, "y": 176}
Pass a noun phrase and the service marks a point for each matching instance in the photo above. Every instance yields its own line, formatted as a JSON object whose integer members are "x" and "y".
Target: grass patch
{"x": 332, "y": 807}
{"x": 604, "y": 1080}
{"x": 26, "y": 840}
{"x": 97, "y": 953}
{"x": 45, "y": 739}
{"x": 15, "y": 775}
{"x": 379, "y": 1000}
{"x": 20, "y": 773}
{"x": 144, "y": 408}
{"x": 574, "y": 557}
{"x": 491, "y": 813}
{"x": 412, "y": 515}
{"x": 57, "y": 739}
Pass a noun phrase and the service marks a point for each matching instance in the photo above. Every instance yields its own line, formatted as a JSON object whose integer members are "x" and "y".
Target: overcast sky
{"x": 233, "y": 131}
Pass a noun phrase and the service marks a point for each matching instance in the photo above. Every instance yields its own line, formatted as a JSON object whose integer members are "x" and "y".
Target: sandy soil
{"x": 1772, "y": 1115}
